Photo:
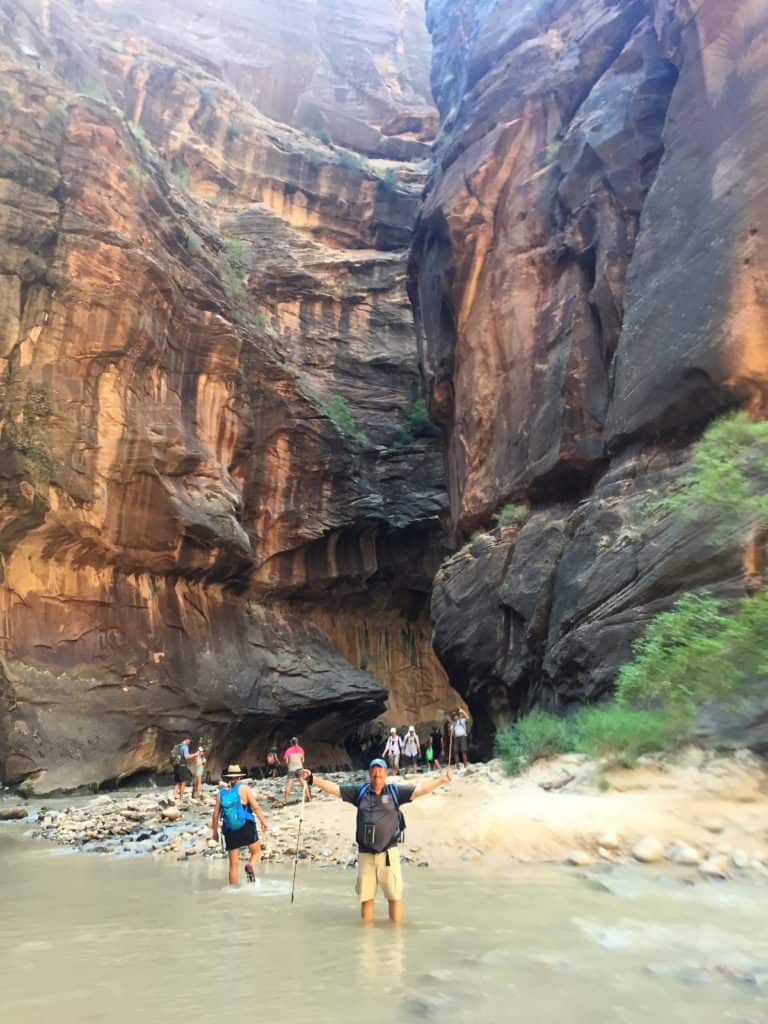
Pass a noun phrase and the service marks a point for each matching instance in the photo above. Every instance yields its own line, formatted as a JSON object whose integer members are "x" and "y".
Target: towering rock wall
{"x": 590, "y": 276}
{"x": 211, "y": 487}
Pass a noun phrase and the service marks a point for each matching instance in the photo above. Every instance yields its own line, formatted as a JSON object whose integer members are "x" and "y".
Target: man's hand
{"x": 447, "y": 776}
{"x": 215, "y": 835}
{"x": 264, "y": 826}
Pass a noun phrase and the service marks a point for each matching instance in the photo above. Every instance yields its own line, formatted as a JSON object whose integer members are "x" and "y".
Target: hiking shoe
{"x": 250, "y": 873}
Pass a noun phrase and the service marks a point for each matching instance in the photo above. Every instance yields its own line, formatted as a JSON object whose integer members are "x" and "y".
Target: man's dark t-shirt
{"x": 377, "y": 816}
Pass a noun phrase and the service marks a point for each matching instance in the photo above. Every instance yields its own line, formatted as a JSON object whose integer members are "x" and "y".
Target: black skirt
{"x": 243, "y": 836}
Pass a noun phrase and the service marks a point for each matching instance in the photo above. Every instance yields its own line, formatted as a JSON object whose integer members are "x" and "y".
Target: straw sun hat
{"x": 234, "y": 771}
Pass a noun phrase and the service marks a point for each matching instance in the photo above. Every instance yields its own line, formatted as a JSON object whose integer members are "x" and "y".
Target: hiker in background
{"x": 411, "y": 748}
{"x": 437, "y": 746}
{"x": 393, "y": 748}
{"x": 461, "y": 736}
{"x": 237, "y": 809}
{"x": 272, "y": 764}
{"x": 200, "y": 762}
{"x": 429, "y": 755}
{"x": 448, "y": 738}
{"x": 181, "y": 761}
{"x": 294, "y": 760}
{"x": 379, "y": 829}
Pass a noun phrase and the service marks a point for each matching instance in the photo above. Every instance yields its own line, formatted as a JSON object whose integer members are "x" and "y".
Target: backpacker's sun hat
{"x": 377, "y": 762}
{"x": 233, "y": 771}
{"x": 393, "y": 729}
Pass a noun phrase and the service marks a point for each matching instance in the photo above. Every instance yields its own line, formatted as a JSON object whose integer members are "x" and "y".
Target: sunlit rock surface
{"x": 208, "y": 363}
{"x": 589, "y": 274}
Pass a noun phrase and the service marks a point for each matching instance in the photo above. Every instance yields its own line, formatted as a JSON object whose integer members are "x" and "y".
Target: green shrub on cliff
{"x": 416, "y": 424}
{"x": 337, "y": 409}
{"x": 512, "y": 515}
{"x": 537, "y": 735}
{"x": 352, "y": 161}
{"x": 728, "y": 476}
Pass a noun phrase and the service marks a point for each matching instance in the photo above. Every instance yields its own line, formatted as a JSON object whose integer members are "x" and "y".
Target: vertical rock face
{"x": 209, "y": 378}
{"x": 589, "y": 277}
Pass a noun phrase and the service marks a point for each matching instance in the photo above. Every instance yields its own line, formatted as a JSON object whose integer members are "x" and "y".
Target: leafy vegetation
{"x": 701, "y": 650}
{"x": 512, "y": 515}
{"x": 337, "y": 409}
{"x": 235, "y": 252}
{"x": 324, "y": 136}
{"x": 352, "y": 161}
{"x": 551, "y": 152}
{"x": 537, "y": 735}
{"x": 728, "y": 475}
{"x": 135, "y": 172}
{"x": 619, "y": 733}
{"x": 390, "y": 180}
{"x": 416, "y": 424}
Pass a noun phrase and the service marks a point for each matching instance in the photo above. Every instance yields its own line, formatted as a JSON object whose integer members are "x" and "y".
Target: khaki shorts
{"x": 372, "y": 871}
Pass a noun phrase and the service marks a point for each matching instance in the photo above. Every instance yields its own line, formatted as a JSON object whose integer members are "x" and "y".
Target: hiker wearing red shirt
{"x": 294, "y": 762}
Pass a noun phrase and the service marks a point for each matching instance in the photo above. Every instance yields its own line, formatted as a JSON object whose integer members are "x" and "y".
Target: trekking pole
{"x": 298, "y": 837}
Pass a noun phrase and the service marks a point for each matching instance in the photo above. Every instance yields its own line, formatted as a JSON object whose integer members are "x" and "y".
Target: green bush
{"x": 701, "y": 650}
{"x": 337, "y": 409}
{"x": 390, "y": 180}
{"x": 537, "y": 735}
{"x": 350, "y": 160}
{"x": 416, "y": 424}
{"x": 235, "y": 252}
{"x": 324, "y": 136}
{"x": 729, "y": 473}
{"x": 624, "y": 733}
{"x": 512, "y": 515}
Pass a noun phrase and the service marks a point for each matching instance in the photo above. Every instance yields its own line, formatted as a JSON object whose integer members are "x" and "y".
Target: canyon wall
{"x": 220, "y": 505}
{"x": 590, "y": 280}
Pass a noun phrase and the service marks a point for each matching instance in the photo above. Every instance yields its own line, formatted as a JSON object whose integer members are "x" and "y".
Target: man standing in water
{"x": 378, "y": 832}
{"x": 237, "y": 809}
{"x": 182, "y": 760}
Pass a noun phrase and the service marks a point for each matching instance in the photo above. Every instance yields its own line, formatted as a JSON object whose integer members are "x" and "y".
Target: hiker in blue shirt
{"x": 237, "y": 809}
{"x": 380, "y": 826}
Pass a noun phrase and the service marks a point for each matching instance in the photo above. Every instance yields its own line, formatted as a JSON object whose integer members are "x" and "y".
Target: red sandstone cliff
{"x": 211, "y": 517}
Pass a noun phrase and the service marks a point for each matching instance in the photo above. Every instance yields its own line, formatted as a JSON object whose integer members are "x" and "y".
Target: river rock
{"x": 648, "y": 850}
{"x": 740, "y": 859}
{"x": 579, "y": 858}
{"x": 13, "y": 813}
{"x": 609, "y": 840}
{"x": 171, "y": 814}
{"x": 716, "y": 866}
{"x": 681, "y": 853}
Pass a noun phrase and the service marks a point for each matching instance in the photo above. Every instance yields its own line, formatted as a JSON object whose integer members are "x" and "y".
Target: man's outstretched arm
{"x": 428, "y": 785}
{"x": 324, "y": 784}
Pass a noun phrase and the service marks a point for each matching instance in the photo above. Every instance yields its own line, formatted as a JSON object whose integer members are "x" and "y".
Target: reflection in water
{"x": 109, "y": 940}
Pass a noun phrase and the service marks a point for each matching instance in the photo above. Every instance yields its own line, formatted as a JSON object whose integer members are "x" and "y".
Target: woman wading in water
{"x": 237, "y": 809}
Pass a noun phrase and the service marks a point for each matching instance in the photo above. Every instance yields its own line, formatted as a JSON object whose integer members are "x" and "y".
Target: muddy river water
{"x": 87, "y": 939}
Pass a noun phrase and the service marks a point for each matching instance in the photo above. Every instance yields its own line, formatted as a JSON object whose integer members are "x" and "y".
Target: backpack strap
{"x": 392, "y": 790}
{"x": 361, "y": 792}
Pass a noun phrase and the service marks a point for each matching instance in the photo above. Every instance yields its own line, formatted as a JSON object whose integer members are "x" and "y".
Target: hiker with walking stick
{"x": 380, "y": 827}
{"x": 237, "y": 809}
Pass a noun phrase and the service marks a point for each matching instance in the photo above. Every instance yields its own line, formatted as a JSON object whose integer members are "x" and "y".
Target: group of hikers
{"x": 380, "y": 827}
{"x": 380, "y": 823}
{"x": 451, "y": 743}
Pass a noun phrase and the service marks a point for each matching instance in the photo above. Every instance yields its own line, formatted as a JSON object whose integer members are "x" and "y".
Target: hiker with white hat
{"x": 237, "y": 809}
{"x": 412, "y": 748}
{"x": 380, "y": 827}
{"x": 393, "y": 748}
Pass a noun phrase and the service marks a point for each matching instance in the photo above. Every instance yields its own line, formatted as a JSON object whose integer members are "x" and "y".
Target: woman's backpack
{"x": 232, "y": 811}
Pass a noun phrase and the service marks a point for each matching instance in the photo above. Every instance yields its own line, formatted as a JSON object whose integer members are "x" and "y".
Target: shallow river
{"x": 88, "y": 939}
